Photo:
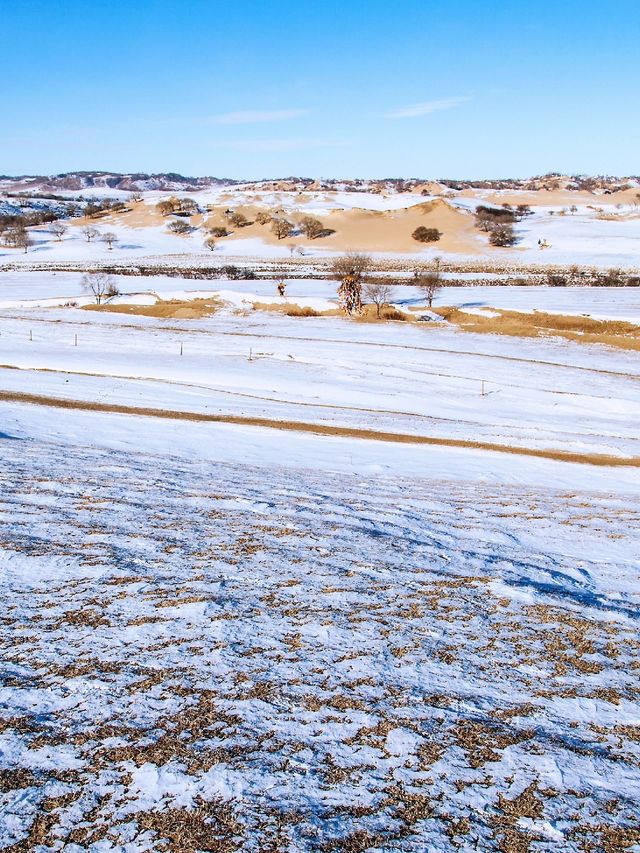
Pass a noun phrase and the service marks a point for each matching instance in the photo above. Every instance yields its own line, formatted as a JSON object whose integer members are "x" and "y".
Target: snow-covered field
{"x": 32, "y": 289}
{"x": 226, "y": 636}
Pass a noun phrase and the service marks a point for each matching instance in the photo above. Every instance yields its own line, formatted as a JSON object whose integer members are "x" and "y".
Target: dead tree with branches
{"x": 351, "y": 270}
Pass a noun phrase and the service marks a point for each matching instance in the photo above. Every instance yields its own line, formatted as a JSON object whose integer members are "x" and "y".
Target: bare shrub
{"x": 179, "y": 226}
{"x": 210, "y": 243}
{"x": 218, "y": 231}
{"x": 263, "y": 217}
{"x": 393, "y": 314}
{"x": 238, "y": 220}
{"x": 503, "y": 235}
{"x": 426, "y": 235}
{"x": 166, "y": 206}
{"x": 298, "y": 311}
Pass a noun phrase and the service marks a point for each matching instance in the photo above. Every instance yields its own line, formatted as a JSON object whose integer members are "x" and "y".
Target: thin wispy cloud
{"x": 286, "y": 144}
{"x": 258, "y": 116}
{"x": 426, "y": 107}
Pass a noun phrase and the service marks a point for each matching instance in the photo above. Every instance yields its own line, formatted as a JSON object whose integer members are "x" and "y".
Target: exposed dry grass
{"x": 387, "y": 312}
{"x": 613, "y": 333}
{"x": 368, "y": 314}
{"x": 210, "y": 826}
{"x": 290, "y": 309}
{"x": 323, "y": 429}
{"x": 184, "y": 309}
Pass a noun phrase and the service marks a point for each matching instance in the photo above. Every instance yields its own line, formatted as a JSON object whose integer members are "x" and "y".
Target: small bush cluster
{"x": 298, "y": 311}
{"x": 503, "y": 235}
{"x": 177, "y": 206}
{"x": 237, "y": 219}
{"x": 94, "y": 209}
{"x": 179, "y": 226}
{"x": 426, "y": 235}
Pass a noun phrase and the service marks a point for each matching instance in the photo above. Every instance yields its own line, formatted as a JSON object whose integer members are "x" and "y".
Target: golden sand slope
{"x": 353, "y": 229}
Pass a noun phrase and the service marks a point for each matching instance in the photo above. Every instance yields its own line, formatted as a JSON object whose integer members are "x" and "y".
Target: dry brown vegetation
{"x": 239, "y": 688}
{"x": 184, "y": 309}
{"x": 368, "y": 315}
{"x": 613, "y": 333}
{"x": 387, "y": 312}
{"x": 292, "y": 310}
{"x": 324, "y": 429}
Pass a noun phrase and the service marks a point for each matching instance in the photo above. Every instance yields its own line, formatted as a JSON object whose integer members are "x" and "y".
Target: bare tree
{"x": 351, "y": 270}
{"x": 109, "y": 238}
{"x": 429, "y": 284}
{"x": 210, "y": 243}
{"x": 22, "y": 240}
{"x": 17, "y": 236}
{"x": 311, "y": 227}
{"x": 90, "y": 232}
{"x": 100, "y": 285}
{"x": 484, "y": 221}
{"x": 282, "y": 228}
{"x": 59, "y": 229}
{"x": 263, "y": 217}
{"x": 378, "y": 293}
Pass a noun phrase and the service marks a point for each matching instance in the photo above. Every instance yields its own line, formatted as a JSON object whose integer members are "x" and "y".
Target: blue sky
{"x": 437, "y": 88}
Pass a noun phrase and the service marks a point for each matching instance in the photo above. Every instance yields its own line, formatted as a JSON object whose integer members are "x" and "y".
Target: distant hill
{"x": 100, "y": 182}
{"x": 133, "y": 182}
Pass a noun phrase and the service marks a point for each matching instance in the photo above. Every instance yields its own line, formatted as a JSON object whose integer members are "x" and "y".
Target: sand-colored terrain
{"x": 355, "y": 228}
{"x": 563, "y": 228}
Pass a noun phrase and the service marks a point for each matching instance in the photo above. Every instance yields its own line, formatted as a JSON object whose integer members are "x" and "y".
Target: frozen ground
{"x": 226, "y": 637}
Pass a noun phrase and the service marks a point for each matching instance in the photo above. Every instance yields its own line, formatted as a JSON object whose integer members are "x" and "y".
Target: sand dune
{"x": 354, "y": 228}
